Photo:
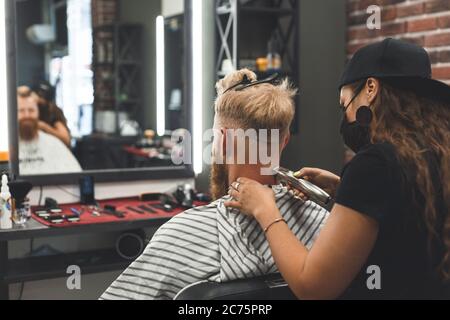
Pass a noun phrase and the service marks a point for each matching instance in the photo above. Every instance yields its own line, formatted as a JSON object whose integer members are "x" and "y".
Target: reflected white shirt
{"x": 46, "y": 155}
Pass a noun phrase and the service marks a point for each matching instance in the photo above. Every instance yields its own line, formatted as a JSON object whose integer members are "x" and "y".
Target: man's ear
{"x": 372, "y": 89}
{"x": 286, "y": 140}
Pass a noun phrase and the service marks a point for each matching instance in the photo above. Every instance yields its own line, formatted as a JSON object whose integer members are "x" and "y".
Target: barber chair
{"x": 270, "y": 287}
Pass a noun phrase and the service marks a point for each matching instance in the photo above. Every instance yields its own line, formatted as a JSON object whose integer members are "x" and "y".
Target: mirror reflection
{"x": 100, "y": 85}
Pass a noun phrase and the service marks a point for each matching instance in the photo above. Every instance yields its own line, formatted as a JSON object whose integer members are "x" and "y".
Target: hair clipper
{"x": 313, "y": 192}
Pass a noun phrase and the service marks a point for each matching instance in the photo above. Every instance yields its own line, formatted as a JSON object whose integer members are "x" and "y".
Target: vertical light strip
{"x": 3, "y": 82}
{"x": 160, "y": 77}
{"x": 197, "y": 84}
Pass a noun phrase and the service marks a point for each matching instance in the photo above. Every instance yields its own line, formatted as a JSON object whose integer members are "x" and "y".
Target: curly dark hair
{"x": 418, "y": 126}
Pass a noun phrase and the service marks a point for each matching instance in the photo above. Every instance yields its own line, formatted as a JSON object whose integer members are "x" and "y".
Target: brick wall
{"x": 424, "y": 22}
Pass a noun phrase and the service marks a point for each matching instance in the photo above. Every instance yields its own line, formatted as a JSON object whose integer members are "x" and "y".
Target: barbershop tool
{"x": 95, "y": 213}
{"x": 19, "y": 191}
{"x": 77, "y": 212}
{"x": 42, "y": 214}
{"x": 247, "y": 83}
{"x": 313, "y": 192}
{"x": 185, "y": 195}
{"x": 163, "y": 206}
{"x": 147, "y": 209}
{"x": 87, "y": 190}
{"x": 112, "y": 210}
{"x": 93, "y": 210}
{"x": 150, "y": 196}
{"x": 203, "y": 197}
{"x": 168, "y": 203}
{"x": 56, "y": 219}
{"x": 135, "y": 210}
{"x": 72, "y": 218}
{"x": 51, "y": 204}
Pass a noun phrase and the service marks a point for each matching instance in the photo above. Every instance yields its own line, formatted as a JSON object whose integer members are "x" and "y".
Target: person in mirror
{"x": 212, "y": 243}
{"x": 39, "y": 152}
{"x": 51, "y": 117}
{"x": 388, "y": 235}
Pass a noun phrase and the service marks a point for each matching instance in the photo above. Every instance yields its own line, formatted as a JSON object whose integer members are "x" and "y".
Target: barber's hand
{"x": 325, "y": 180}
{"x": 45, "y": 127}
{"x": 253, "y": 199}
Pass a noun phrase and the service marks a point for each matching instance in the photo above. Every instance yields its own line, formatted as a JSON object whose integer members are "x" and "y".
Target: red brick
{"x": 364, "y": 4}
{"x": 434, "y": 57}
{"x": 356, "y": 34}
{"x": 415, "y": 40}
{"x": 444, "y": 56}
{"x": 362, "y": 33}
{"x": 410, "y": 10}
{"x": 388, "y": 14}
{"x": 437, "y": 6}
{"x": 422, "y": 24}
{"x": 444, "y": 22}
{"x": 352, "y": 6}
{"x": 436, "y": 40}
{"x": 359, "y": 19}
{"x": 441, "y": 72}
{"x": 393, "y": 29}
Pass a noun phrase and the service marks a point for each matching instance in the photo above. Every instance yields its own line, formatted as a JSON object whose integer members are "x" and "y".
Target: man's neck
{"x": 251, "y": 172}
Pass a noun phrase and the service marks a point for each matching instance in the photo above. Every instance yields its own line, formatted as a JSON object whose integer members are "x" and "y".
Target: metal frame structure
{"x": 229, "y": 15}
{"x": 227, "y": 21}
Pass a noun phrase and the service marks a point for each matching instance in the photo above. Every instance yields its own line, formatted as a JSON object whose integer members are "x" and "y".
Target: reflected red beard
{"x": 219, "y": 181}
{"x": 28, "y": 129}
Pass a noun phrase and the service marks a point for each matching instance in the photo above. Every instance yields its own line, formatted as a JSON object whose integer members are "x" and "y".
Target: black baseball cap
{"x": 398, "y": 63}
{"x": 45, "y": 90}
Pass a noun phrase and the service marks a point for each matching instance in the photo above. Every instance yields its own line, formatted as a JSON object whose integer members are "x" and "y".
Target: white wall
{"x": 172, "y": 7}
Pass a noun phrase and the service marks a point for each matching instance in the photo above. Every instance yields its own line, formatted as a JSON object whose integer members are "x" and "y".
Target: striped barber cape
{"x": 211, "y": 243}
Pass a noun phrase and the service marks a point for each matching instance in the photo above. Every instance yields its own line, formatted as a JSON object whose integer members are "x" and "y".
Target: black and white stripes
{"x": 211, "y": 243}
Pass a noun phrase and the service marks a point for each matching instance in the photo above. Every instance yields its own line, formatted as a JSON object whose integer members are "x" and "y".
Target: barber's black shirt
{"x": 374, "y": 183}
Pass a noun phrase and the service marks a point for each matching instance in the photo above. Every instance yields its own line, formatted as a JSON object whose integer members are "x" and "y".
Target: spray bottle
{"x": 6, "y": 205}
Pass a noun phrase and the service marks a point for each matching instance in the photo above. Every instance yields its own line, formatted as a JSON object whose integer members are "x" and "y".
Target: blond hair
{"x": 24, "y": 92}
{"x": 263, "y": 106}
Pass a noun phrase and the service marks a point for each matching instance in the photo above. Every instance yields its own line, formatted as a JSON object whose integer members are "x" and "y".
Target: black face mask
{"x": 356, "y": 135}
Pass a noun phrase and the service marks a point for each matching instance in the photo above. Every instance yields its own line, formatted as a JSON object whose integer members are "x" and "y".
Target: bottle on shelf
{"x": 274, "y": 62}
{"x": 6, "y": 205}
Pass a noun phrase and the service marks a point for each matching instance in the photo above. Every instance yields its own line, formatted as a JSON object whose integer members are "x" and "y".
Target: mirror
{"x": 100, "y": 85}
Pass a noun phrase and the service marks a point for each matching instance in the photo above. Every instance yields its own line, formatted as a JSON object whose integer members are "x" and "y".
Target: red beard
{"x": 219, "y": 181}
{"x": 28, "y": 129}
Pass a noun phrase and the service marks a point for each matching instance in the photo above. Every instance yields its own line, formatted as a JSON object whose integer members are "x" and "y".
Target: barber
{"x": 52, "y": 119}
{"x": 388, "y": 234}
